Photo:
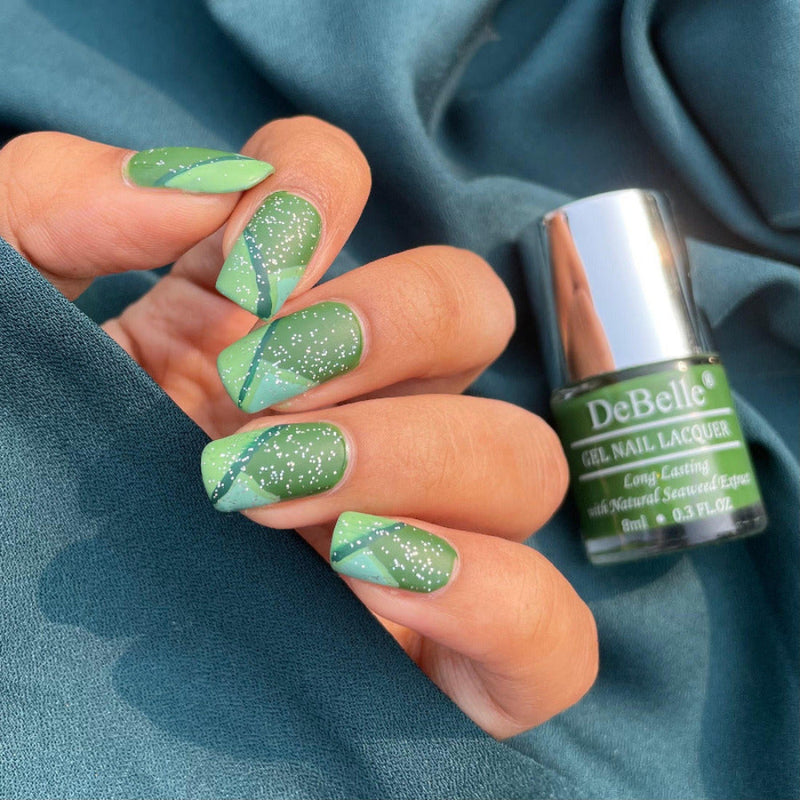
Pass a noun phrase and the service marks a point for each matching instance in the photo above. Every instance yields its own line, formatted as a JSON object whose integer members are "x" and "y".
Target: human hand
{"x": 370, "y": 365}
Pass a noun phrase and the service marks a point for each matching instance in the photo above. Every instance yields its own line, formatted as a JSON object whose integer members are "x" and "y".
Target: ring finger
{"x": 463, "y": 462}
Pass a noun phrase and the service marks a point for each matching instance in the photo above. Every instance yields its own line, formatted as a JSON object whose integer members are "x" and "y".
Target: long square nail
{"x": 265, "y": 466}
{"x": 290, "y": 355}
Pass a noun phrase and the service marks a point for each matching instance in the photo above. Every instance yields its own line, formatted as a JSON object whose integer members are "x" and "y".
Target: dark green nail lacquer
{"x": 290, "y": 355}
{"x": 265, "y": 466}
{"x": 269, "y": 258}
{"x": 196, "y": 169}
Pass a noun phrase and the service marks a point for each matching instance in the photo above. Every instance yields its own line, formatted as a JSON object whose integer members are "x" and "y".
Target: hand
{"x": 356, "y": 384}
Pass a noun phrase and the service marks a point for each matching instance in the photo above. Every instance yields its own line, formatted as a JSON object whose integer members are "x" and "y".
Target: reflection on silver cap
{"x": 620, "y": 293}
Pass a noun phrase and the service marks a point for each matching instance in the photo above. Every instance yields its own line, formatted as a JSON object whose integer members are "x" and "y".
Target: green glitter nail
{"x": 257, "y": 468}
{"x": 269, "y": 258}
{"x": 290, "y": 355}
{"x": 196, "y": 169}
{"x": 390, "y": 553}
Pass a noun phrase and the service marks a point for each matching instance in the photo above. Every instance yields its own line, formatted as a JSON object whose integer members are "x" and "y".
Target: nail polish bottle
{"x": 657, "y": 458}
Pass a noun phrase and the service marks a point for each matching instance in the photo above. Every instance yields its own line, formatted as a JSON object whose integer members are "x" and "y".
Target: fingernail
{"x": 196, "y": 169}
{"x": 258, "y": 468}
{"x": 390, "y": 553}
{"x": 290, "y": 355}
{"x": 271, "y": 255}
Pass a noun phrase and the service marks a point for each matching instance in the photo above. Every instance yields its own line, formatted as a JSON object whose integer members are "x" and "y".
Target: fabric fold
{"x": 152, "y": 647}
{"x": 767, "y": 162}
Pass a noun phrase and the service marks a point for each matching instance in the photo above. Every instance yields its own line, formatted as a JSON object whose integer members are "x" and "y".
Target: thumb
{"x": 77, "y": 209}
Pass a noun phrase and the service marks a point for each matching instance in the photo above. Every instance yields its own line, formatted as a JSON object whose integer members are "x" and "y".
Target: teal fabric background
{"x": 150, "y": 647}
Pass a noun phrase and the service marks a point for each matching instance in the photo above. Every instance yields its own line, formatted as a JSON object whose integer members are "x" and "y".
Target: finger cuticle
{"x": 270, "y": 257}
{"x": 195, "y": 169}
{"x": 269, "y": 465}
{"x": 291, "y": 355}
{"x": 391, "y": 553}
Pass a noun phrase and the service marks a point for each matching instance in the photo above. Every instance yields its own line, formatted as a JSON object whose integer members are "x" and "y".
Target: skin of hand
{"x": 446, "y": 487}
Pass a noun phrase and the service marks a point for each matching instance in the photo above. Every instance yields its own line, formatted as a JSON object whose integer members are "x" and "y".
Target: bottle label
{"x": 654, "y": 451}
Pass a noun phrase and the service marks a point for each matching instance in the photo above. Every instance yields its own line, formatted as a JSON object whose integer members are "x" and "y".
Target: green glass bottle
{"x": 657, "y": 458}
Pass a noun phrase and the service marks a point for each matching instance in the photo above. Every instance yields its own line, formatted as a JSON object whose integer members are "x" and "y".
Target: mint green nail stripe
{"x": 196, "y": 169}
{"x": 271, "y": 255}
{"x": 390, "y": 553}
{"x": 257, "y": 468}
{"x": 291, "y": 355}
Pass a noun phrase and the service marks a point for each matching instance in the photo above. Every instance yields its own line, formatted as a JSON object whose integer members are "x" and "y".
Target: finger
{"x": 74, "y": 209}
{"x": 497, "y": 627}
{"x": 459, "y": 461}
{"x": 283, "y": 236}
{"x": 430, "y": 316}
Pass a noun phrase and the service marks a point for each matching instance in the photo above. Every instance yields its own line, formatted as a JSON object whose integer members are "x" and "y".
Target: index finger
{"x": 282, "y": 237}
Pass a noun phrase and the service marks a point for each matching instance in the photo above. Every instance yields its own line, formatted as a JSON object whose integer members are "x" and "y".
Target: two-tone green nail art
{"x": 196, "y": 169}
{"x": 257, "y": 468}
{"x": 269, "y": 258}
{"x": 390, "y": 553}
{"x": 290, "y": 355}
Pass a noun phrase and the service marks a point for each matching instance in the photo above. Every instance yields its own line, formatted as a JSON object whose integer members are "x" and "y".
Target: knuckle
{"x": 487, "y": 293}
{"x": 538, "y": 593}
{"x": 430, "y": 300}
{"x": 555, "y": 471}
{"x": 20, "y": 148}
{"x": 328, "y": 137}
{"x": 459, "y": 293}
{"x": 16, "y": 204}
{"x": 336, "y": 136}
{"x": 15, "y": 158}
{"x": 23, "y": 152}
{"x": 539, "y": 477}
{"x": 505, "y": 319}
{"x": 547, "y": 471}
{"x": 434, "y": 272}
{"x": 583, "y": 655}
{"x": 315, "y": 138}
{"x": 557, "y": 628}
{"x": 440, "y": 458}
{"x": 591, "y": 654}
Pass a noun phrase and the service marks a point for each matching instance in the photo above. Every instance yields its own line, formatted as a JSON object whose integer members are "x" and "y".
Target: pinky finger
{"x": 491, "y": 622}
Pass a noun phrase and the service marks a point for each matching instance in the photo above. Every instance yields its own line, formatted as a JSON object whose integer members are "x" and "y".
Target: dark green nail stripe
{"x": 261, "y": 271}
{"x": 390, "y": 553}
{"x": 269, "y": 258}
{"x": 230, "y": 476}
{"x": 256, "y": 360}
{"x": 291, "y": 355}
{"x": 168, "y": 176}
{"x": 195, "y": 169}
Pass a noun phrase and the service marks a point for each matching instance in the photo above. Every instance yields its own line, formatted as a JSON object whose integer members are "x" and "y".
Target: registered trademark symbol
{"x": 708, "y": 380}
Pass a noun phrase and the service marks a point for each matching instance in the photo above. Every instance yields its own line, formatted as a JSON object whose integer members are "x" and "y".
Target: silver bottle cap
{"x": 619, "y": 292}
